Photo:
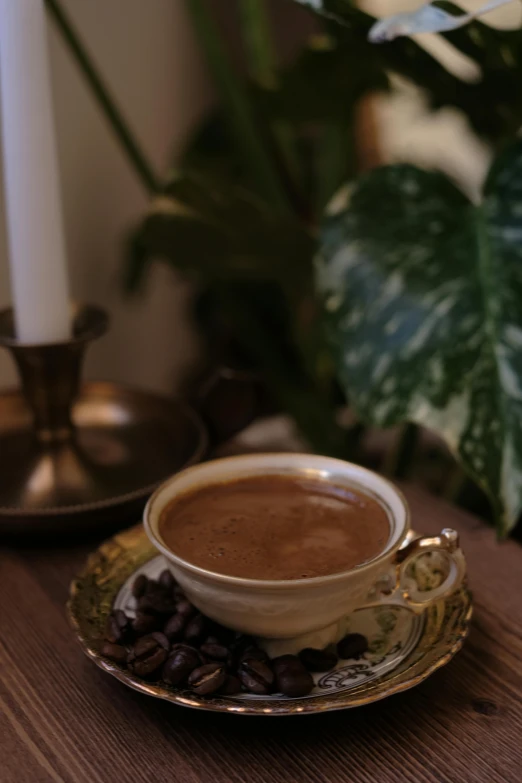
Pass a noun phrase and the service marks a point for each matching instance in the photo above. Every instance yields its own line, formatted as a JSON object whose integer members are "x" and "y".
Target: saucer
{"x": 404, "y": 648}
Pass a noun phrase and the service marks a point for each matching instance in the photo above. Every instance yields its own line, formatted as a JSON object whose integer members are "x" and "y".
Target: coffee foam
{"x": 275, "y": 527}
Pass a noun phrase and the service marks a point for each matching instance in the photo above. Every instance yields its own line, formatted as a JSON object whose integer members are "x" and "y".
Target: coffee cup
{"x": 298, "y": 610}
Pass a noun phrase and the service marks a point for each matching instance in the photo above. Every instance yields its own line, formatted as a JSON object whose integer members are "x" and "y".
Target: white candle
{"x": 34, "y": 210}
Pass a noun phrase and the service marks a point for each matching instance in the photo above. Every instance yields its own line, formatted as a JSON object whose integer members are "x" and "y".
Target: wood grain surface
{"x": 65, "y": 721}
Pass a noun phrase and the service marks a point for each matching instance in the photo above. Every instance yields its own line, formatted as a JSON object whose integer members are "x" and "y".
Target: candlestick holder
{"x": 75, "y": 456}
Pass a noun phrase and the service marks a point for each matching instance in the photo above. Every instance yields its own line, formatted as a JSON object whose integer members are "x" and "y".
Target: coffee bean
{"x": 212, "y": 668}
{"x": 185, "y": 608}
{"x": 140, "y": 585}
{"x": 215, "y": 651}
{"x": 174, "y": 627}
{"x": 148, "y": 655}
{"x": 114, "y": 652}
{"x": 181, "y": 663}
{"x": 207, "y": 679}
{"x": 231, "y": 686}
{"x": 295, "y": 683}
{"x": 166, "y": 580}
{"x": 183, "y": 646}
{"x": 145, "y": 623}
{"x": 254, "y": 653}
{"x": 156, "y": 600}
{"x": 292, "y": 679}
{"x": 196, "y": 630}
{"x": 161, "y": 639}
{"x": 118, "y": 627}
{"x": 256, "y": 677}
{"x": 318, "y": 660}
{"x": 211, "y": 640}
{"x": 286, "y": 662}
{"x": 352, "y": 646}
{"x": 244, "y": 647}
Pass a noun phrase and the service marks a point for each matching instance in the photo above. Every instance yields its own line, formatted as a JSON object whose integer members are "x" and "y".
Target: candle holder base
{"x": 126, "y": 442}
{"x": 77, "y": 457}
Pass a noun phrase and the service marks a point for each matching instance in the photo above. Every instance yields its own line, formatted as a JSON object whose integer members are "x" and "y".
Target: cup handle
{"x": 413, "y": 599}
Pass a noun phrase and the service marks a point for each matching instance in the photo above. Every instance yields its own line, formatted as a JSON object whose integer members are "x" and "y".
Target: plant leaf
{"x": 211, "y": 232}
{"x": 313, "y": 101}
{"x": 428, "y": 18}
{"x": 493, "y": 105}
{"x": 423, "y": 292}
{"x": 239, "y": 110}
{"x": 327, "y": 80}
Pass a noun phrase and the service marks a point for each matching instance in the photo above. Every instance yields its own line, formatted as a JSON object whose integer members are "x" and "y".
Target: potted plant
{"x": 388, "y": 290}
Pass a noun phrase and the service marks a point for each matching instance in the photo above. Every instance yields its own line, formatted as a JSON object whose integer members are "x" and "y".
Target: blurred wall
{"x": 148, "y": 56}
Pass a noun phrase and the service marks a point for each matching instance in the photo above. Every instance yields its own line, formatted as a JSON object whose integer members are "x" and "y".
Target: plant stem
{"x": 399, "y": 458}
{"x": 242, "y": 121}
{"x": 258, "y": 42}
{"x": 262, "y": 66}
{"x": 129, "y": 144}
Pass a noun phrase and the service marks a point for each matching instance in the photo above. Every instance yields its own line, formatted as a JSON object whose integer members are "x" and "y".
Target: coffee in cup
{"x": 275, "y": 527}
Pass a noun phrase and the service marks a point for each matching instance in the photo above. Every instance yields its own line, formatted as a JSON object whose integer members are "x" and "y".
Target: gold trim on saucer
{"x": 95, "y": 589}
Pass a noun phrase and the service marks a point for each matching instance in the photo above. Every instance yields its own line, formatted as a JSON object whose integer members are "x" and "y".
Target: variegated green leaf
{"x": 428, "y": 18}
{"x": 423, "y": 294}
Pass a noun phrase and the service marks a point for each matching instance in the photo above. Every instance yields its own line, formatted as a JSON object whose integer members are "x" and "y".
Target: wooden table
{"x": 64, "y": 721}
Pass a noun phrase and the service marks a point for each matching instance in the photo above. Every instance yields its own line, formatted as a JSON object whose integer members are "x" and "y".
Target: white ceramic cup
{"x": 292, "y": 609}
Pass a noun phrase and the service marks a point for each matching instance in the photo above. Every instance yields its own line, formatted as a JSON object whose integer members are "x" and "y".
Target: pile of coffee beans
{"x": 169, "y": 640}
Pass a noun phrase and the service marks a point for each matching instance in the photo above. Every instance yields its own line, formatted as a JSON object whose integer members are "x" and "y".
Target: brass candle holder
{"x": 75, "y": 456}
